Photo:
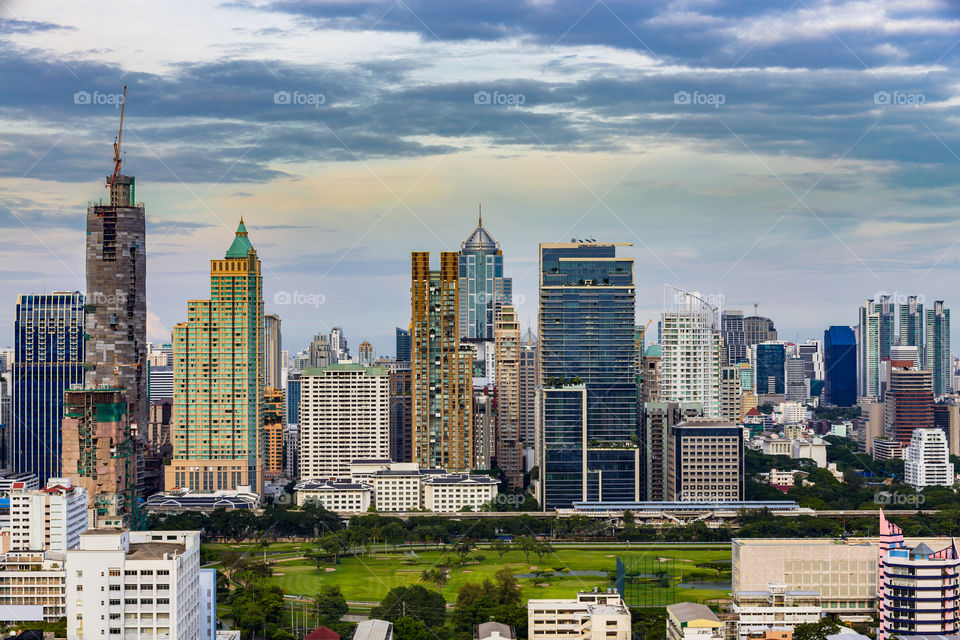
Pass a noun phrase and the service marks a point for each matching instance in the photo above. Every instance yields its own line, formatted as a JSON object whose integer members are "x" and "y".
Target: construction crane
{"x": 116, "y": 369}
{"x": 642, "y": 331}
{"x": 119, "y": 141}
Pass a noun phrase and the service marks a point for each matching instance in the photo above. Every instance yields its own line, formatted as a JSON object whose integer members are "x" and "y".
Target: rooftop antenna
{"x": 480, "y": 214}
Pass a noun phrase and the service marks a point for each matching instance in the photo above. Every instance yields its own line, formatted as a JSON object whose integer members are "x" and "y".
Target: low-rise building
{"x": 135, "y": 584}
{"x": 774, "y": 609}
{"x": 887, "y": 449}
{"x": 691, "y": 621}
{"x": 373, "y": 629}
{"x": 50, "y": 519}
{"x": 180, "y": 500}
{"x": 398, "y": 489}
{"x": 491, "y": 631}
{"x": 458, "y": 492}
{"x": 813, "y": 449}
{"x": 335, "y": 495}
{"x": 776, "y": 446}
{"x": 32, "y": 586}
{"x": 597, "y": 615}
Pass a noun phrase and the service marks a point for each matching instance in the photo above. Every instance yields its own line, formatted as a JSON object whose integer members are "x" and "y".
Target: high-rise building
{"x": 441, "y": 368}
{"x": 293, "y": 397}
{"x": 116, "y": 263}
{"x": 48, "y": 519}
{"x": 909, "y": 353}
{"x": 705, "y": 461}
{"x": 659, "y": 420}
{"x": 403, "y": 345}
{"x": 48, "y": 360}
{"x": 273, "y": 428}
{"x": 734, "y": 335}
{"x": 509, "y": 452}
{"x": 771, "y": 368}
{"x": 588, "y": 404}
{"x": 758, "y": 329}
{"x": 937, "y": 350}
{"x": 484, "y": 426}
{"x": 366, "y": 354}
{"x": 528, "y": 388}
{"x": 344, "y": 416}
{"x": 338, "y": 342}
{"x": 218, "y": 378}
{"x": 796, "y": 384}
{"x": 908, "y": 402}
{"x": 917, "y": 591}
{"x": 322, "y": 353}
{"x": 840, "y": 366}
{"x": 161, "y": 381}
{"x": 911, "y": 323}
{"x": 482, "y": 287}
{"x": 273, "y": 347}
{"x": 652, "y": 371}
{"x": 926, "y": 461}
{"x": 730, "y": 395}
{"x": 875, "y": 336}
{"x": 692, "y": 350}
{"x": 100, "y": 454}
{"x": 401, "y": 408}
{"x": 811, "y": 352}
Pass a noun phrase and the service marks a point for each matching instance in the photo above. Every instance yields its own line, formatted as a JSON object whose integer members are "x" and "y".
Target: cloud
{"x": 156, "y": 330}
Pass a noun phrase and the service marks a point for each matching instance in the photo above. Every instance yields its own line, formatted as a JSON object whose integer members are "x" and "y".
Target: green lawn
{"x": 368, "y": 578}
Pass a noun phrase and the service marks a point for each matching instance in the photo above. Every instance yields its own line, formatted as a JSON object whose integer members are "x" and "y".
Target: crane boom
{"x": 119, "y": 141}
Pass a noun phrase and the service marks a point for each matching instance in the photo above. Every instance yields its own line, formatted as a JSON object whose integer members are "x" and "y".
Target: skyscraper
{"x": 868, "y": 352}
{"x": 758, "y": 329}
{"x": 403, "y": 345}
{"x": 401, "y": 408}
{"x": 588, "y": 448}
{"x": 937, "y": 350}
{"x": 911, "y": 323}
{"x": 482, "y": 286}
{"x": 273, "y": 347}
{"x": 322, "y": 353}
{"x": 441, "y": 368}
{"x": 771, "y": 368}
{"x": 840, "y": 364}
{"x": 734, "y": 336}
{"x": 48, "y": 359}
{"x": 508, "y": 354}
{"x": 659, "y": 420}
{"x": 796, "y": 384}
{"x": 218, "y": 377}
{"x": 365, "y": 351}
{"x": 338, "y": 342}
{"x": 908, "y": 402}
{"x": 273, "y": 427}
{"x": 692, "y": 354}
{"x": 528, "y": 388}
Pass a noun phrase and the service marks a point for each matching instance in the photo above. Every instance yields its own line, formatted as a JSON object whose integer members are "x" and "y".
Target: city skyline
{"x": 621, "y": 136}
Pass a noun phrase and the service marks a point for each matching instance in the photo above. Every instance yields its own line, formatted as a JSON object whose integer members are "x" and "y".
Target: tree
{"x": 542, "y": 549}
{"x": 407, "y": 628}
{"x": 500, "y": 547}
{"x": 526, "y": 545}
{"x": 330, "y": 604}
{"x": 815, "y": 630}
{"x": 413, "y": 601}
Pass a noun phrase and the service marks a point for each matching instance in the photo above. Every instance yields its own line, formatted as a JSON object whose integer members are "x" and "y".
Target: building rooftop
{"x": 690, "y": 611}
{"x": 487, "y": 629}
{"x": 154, "y": 550}
{"x": 240, "y": 246}
{"x": 479, "y": 240}
{"x": 372, "y": 630}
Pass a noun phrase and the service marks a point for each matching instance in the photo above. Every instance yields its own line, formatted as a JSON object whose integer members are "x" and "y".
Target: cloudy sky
{"x": 801, "y": 156}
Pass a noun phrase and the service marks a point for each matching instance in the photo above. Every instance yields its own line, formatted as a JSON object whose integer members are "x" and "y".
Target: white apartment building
{"x": 813, "y": 449}
{"x": 598, "y": 615}
{"x": 926, "y": 460}
{"x": 32, "y": 586}
{"x": 456, "y": 492}
{"x": 344, "y": 416}
{"x": 775, "y": 608}
{"x": 208, "y": 604}
{"x": 135, "y": 585}
{"x": 335, "y": 495}
{"x": 50, "y": 519}
{"x": 398, "y": 489}
{"x": 692, "y": 353}
{"x": 691, "y": 621}
{"x": 791, "y": 412}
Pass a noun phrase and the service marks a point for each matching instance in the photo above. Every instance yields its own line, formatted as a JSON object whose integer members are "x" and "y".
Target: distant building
{"x": 771, "y": 368}
{"x": 775, "y": 608}
{"x": 458, "y": 492}
{"x": 335, "y": 495}
{"x": 34, "y": 586}
{"x": 734, "y": 336}
{"x": 403, "y": 345}
{"x": 937, "y": 349}
{"x": 365, "y": 354}
{"x": 875, "y": 335}
{"x": 373, "y": 629}
{"x": 908, "y": 401}
{"x": 659, "y": 420}
{"x": 887, "y": 449}
{"x": 692, "y": 353}
{"x": 758, "y": 329}
{"x": 691, "y": 621}
{"x": 926, "y": 461}
{"x": 705, "y": 462}
{"x": 490, "y": 631}
{"x": 597, "y": 615}
{"x": 273, "y": 427}
{"x": 48, "y": 519}
{"x": 481, "y": 287}
{"x": 273, "y": 348}
{"x": 840, "y": 364}
{"x": 401, "y": 408}
{"x": 911, "y": 323}
{"x": 509, "y": 454}
{"x": 529, "y": 350}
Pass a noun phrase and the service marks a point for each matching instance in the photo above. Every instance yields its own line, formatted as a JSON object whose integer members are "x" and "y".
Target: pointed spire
{"x": 480, "y": 214}
{"x": 241, "y": 243}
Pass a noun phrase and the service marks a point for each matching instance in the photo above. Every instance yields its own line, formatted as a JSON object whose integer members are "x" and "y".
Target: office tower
{"x": 705, "y": 461}
{"x": 322, "y": 353}
{"x": 161, "y": 382}
{"x": 908, "y": 402}
{"x": 588, "y": 409}
{"x": 484, "y": 426}
{"x": 840, "y": 366}
{"x": 926, "y": 461}
{"x": 442, "y": 368}
{"x": 652, "y": 367}
{"x": 730, "y": 395}
{"x": 481, "y": 285}
{"x": 401, "y": 408}
{"x": 48, "y": 360}
{"x": 300, "y": 361}
{"x": 273, "y": 347}
{"x": 338, "y": 342}
{"x": 692, "y": 350}
{"x": 911, "y": 323}
{"x": 888, "y": 334}
{"x": 908, "y": 353}
{"x": 875, "y": 336}
{"x": 344, "y": 416}
{"x": 366, "y": 354}
{"x": 100, "y": 454}
{"x": 116, "y": 304}
{"x": 507, "y": 339}
{"x": 937, "y": 350}
{"x": 152, "y": 577}
{"x": 48, "y": 519}
{"x": 758, "y": 329}
{"x": 734, "y": 335}
{"x": 293, "y": 397}
{"x": 658, "y": 423}
{"x": 528, "y": 388}
{"x": 771, "y": 368}
{"x": 218, "y": 377}
{"x": 812, "y": 353}
{"x": 796, "y": 384}
{"x": 273, "y": 427}
{"x": 946, "y": 417}
{"x": 917, "y": 593}
{"x": 403, "y": 345}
